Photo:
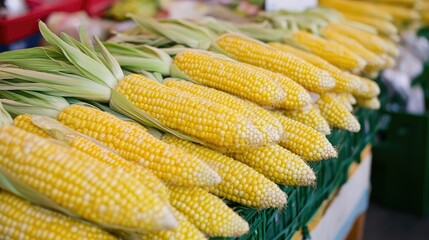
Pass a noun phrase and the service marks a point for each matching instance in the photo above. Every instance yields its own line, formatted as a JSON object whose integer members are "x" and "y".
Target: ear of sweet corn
{"x": 368, "y": 40}
{"x": 374, "y": 62}
{"x": 279, "y": 165}
{"x": 203, "y": 119}
{"x": 370, "y": 103}
{"x": 346, "y": 99}
{"x": 229, "y": 76}
{"x": 400, "y": 14}
{"x": 185, "y": 231}
{"x": 296, "y": 95}
{"x": 332, "y": 52}
{"x": 95, "y": 150}
{"x": 20, "y": 219}
{"x": 383, "y": 26}
{"x": 134, "y": 144}
{"x": 343, "y": 82}
{"x": 337, "y": 114}
{"x": 108, "y": 157}
{"x": 261, "y": 55}
{"x": 357, "y": 7}
{"x": 75, "y": 181}
{"x": 305, "y": 141}
{"x": 268, "y": 126}
{"x": 207, "y": 212}
{"x": 240, "y": 183}
{"x": 368, "y": 88}
{"x": 311, "y": 117}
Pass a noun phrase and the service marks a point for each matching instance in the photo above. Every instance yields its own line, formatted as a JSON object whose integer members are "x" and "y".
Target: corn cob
{"x": 240, "y": 183}
{"x": 97, "y": 151}
{"x": 207, "y": 212}
{"x": 185, "y": 231}
{"x": 311, "y": 117}
{"x": 229, "y": 76}
{"x": 343, "y": 82}
{"x": 370, "y": 41}
{"x": 279, "y": 165}
{"x": 261, "y": 55}
{"x": 337, "y": 114}
{"x": 370, "y": 103}
{"x": 383, "y": 26}
{"x": 296, "y": 95}
{"x": 332, "y": 52}
{"x": 303, "y": 140}
{"x": 205, "y": 120}
{"x": 373, "y": 60}
{"x": 20, "y": 219}
{"x": 357, "y": 7}
{"x": 267, "y": 125}
{"x": 368, "y": 89}
{"x": 82, "y": 184}
{"x": 134, "y": 144}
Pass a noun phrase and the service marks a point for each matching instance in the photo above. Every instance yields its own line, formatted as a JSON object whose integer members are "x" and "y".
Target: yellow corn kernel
{"x": 134, "y": 144}
{"x": 370, "y": 103}
{"x": 296, "y": 95}
{"x": 229, "y": 76}
{"x": 400, "y": 14}
{"x": 185, "y": 231}
{"x": 267, "y": 125}
{"x": 99, "y": 152}
{"x": 261, "y": 55}
{"x": 207, "y": 212}
{"x": 82, "y": 184}
{"x": 279, "y": 165}
{"x": 240, "y": 183}
{"x": 20, "y": 219}
{"x": 343, "y": 82}
{"x": 332, "y": 52}
{"x": 373, "y": 60}
{"x": 23, "y": 121}
{"x": 311, "y": 117}
{"x": 337, "y": 114}
{"x": 383, "y": 26}
{"x": 370, "y": 41}
{"x": 205, "y": 120}
{"x": 346, "y": 99}
{"x": 357, "y": 7}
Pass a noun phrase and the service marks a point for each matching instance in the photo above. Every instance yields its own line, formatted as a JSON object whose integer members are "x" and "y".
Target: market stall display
{"x": 190, "y": 129}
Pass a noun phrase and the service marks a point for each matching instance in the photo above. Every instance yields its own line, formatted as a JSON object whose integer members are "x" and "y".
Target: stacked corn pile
{"x": 175, "y": 130}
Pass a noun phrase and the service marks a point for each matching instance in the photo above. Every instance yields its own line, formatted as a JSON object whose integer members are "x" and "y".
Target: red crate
{"x": 16, "y": 28}
{"x": 96, "y": 8}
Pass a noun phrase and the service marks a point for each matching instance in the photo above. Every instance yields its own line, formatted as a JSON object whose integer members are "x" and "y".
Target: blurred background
{"x": 399, "y": 205}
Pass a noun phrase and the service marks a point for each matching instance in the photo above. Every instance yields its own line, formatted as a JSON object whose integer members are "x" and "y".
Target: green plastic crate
{"x": 400, "y": 171}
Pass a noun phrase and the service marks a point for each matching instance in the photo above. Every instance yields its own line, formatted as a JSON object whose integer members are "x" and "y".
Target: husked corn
{"x": 134, "y": 144}
{"x": 262, "y": 55}
{"x": 20, "y": 219}
{"x": 229, "y": 76}
{"x": 207, "y": 212}
{"x": 337, "y": 114}
{"x": 205, "y": 120}
{"x": 240, "y": 183}
{"x": 343, "y": 82}
{"x": 267, "y": 125}
{"x": 332, "y": 52}
{"x": 82, "y": 184}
